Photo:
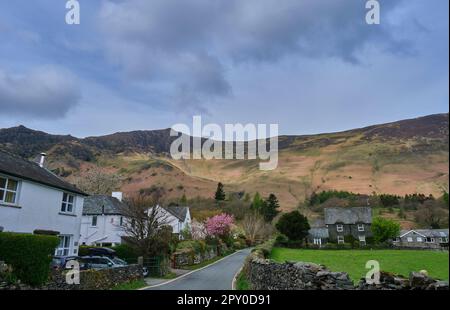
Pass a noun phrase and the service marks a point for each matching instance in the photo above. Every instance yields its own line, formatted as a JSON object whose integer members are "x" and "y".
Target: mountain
{"x": 402, "y": 157}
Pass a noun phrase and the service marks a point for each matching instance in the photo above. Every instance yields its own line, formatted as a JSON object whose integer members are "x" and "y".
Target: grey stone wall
{"x": 189, "y": 257}
{"x": 89, "y": 279}
{"x": 264, "y": 274}
{"x": 267, "y": 275}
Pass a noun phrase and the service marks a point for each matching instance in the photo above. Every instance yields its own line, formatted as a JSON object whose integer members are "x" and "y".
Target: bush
{"x": 126, "y": 253}
{"x": 197, "y": 246}
{"x": 29, "y": 255}
{"x": 294, "y": 225}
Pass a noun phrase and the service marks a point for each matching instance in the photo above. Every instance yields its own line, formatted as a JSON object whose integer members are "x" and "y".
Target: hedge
{"x": 29, "y": 255}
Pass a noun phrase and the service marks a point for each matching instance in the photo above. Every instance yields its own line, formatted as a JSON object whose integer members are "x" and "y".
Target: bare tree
{"x": 146, "y": 226}
{"x": 97, "y": 182}
{"x": 431, "y": 215}
{"x": 255, "y": 227}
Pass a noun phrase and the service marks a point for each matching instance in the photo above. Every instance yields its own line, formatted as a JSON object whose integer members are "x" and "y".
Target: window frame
{"x": 409, "y": 239}
{"x": 361, "y": 227}
{"x": 5, "y": 191}
{"x": 419, "y": 239}
{"x": 65, "y": 203}
{"x": 340, "y": 227}
{"x": 96, "y": 221}
{"x": 63, "y": 240}
{"x": 340, "y": 239}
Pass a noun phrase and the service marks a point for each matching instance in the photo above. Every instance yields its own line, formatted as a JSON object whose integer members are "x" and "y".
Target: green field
{"x": 353, "y": 261}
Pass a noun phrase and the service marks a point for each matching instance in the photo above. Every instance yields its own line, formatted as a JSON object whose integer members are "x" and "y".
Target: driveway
{"x": 217, "y": 276}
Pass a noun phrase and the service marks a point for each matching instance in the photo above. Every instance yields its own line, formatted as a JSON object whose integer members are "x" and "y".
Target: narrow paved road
{"x": 214, "y": 277}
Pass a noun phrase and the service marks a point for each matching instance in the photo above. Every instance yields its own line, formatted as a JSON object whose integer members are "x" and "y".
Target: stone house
{"x": 342, "y": 224}
{"x": 422, "y": 238}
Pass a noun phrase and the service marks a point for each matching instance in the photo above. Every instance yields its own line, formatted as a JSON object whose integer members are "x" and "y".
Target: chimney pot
{"x": 42, "y": 160}
{"x": 117, "y": 195}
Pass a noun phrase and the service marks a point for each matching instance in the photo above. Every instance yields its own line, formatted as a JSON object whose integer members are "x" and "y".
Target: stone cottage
{"x": 342, "y": 224}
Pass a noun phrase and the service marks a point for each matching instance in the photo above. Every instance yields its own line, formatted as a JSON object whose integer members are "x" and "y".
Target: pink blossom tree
{"x": 219, "y": 225}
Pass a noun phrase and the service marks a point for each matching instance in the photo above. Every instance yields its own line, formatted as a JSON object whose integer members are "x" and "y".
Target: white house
{"x": 34, "y": 199}
{"x": 103, "y": 220}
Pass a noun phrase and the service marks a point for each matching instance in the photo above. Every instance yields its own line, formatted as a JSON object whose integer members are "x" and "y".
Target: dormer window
{"x": 8, "y": 190}
{"x": 67, "y": 203}
{"x": 340, "y": 228}
{"x": 360, "y": 227}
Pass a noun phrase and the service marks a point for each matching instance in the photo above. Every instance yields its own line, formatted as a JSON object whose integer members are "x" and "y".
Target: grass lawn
{"x": 354, "y": 261}
{"x": 242, "y": 283}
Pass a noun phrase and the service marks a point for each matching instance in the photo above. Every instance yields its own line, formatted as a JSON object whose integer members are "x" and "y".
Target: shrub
{"x": 126, "y": 253}
{"x": 294, "y": 225}
{"x": 29, "y": 255}
{"x": 384, "y": 229}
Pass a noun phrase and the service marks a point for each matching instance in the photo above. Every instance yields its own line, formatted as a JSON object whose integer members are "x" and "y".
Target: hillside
{"x": 402, "y": 157}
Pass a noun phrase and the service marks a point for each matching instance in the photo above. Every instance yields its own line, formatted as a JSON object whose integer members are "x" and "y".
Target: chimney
{"x": 42, "y": 160}
{"x": 118, "y": 195}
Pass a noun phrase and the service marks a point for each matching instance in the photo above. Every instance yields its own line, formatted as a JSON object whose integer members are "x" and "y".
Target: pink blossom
{"x": 219, "y": 225}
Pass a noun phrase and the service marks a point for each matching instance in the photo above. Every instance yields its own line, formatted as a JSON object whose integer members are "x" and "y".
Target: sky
{"x": 310, "y": 66}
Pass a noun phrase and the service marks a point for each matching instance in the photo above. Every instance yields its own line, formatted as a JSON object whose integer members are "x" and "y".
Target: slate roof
{"x": 102, "y": 204}
{"x": 348, "y": 215}
{"x": 18, "y": 167}
{"x": 435, "y": 233}
{"x": 318, "y": 233}
{"x": 178, "y": 212}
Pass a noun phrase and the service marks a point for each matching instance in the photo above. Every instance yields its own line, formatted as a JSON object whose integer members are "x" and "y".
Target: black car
{"x": 60, "y": 262}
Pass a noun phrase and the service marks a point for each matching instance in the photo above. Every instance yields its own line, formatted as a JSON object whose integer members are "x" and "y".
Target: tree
{"x": 219, "y": 226}
{"x": 146, "y": 226}
{"x": 293, "y": 225}
{"x": 183, "y": 199}
{"x": 270, "y": 208}
{"x": 431, "y": 215}
{"x": 220, "y": 194}
{"x": 257, "y": 202}
{"x": 255, "y": 227}
{"x": 97, "y": 182}
{"x": 384, "y": 229}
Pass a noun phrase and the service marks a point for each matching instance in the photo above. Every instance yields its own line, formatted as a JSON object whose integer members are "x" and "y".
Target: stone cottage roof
{"x": 102, "y": 204}
{"x": 435, "y": 233}
{"x": 178, "y": 212}
{"x": 318, "y": 233}
{"x": 15, "y": 166}
{"x": 348, "y": 215}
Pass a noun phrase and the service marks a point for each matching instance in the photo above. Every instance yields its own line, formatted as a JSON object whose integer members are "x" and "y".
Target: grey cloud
{"x": 45, "y": 92}
{"x": 189, "y": 44}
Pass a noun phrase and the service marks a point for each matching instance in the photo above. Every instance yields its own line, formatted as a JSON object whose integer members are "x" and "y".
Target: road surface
{"x": 218, "y": 276}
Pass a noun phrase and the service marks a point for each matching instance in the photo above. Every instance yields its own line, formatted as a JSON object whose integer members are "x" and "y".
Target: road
{"x": 218, "y": 276}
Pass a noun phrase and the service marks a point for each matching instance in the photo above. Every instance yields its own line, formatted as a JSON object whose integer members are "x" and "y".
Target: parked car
{"x": 103, "y": 262}
{"x": 60, "y": 262}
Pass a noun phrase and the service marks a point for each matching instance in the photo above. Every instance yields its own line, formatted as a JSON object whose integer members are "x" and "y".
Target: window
{"x": 317, "y": 241}
{"x": 362, "y": 240}
{"x": 94, "y": 221}
{"x": 121, "y": 221}
{"x": 67, "y": 203}
{"x": 340, "y": 227}
{"x": 360, "y": 227}
{"x": 340, "y": 239}
{"x": 419, "y": 239}
{"x": 63, "y": 248}
{"x": 8, "y": 190}
{"x": 409, "y": 239}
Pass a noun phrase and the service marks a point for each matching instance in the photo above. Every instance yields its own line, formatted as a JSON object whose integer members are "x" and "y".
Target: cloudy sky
{"x": 309, "y": 65}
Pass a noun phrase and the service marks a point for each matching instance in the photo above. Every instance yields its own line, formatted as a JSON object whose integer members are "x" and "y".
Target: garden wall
{"x": 89, "y": 279}
{"x": 265, "y": 274}
{"x": 189, "y": 257}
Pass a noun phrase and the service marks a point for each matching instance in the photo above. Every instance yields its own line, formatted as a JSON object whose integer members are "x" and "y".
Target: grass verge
{"x": 353, "y": 262}
{"x": 134, "y": 285}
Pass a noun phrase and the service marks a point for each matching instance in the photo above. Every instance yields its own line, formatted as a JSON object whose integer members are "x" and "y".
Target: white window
{"x": 8, "y": 190}
{"x": 340, "y": 227}
{"x": 94, "y": 221}
{"x": 419, "y": 239}
{"x": 340, "y": 239}
{"x": 409, "y": 239}
{"x": 397, "y": 239}
{"x": 360, "y": 227}
{"x": 63, "y": 248}
{"x": 317, "y": 241}
{"x": 67, "y": 203}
